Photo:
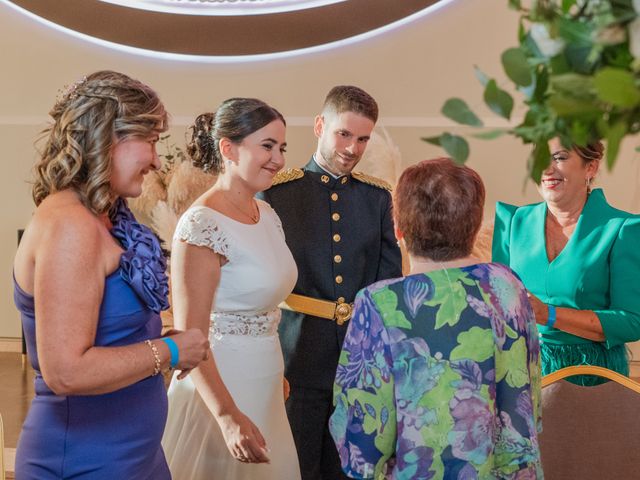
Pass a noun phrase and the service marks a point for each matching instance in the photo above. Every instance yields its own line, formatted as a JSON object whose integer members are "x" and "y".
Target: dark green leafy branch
{"x": 576, "y": 69}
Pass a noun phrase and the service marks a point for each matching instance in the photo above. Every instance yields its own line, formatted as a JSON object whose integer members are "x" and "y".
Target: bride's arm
{"x": 195, "y": 275}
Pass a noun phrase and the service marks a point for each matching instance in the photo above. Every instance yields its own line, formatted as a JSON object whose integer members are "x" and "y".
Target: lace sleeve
{"x": 199, "y": 227}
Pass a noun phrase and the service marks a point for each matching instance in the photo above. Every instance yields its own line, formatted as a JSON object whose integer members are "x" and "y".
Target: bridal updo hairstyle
{"x": 89, "y": 118}
{"x": 438, "y": 207}
{"x": 235, "y": 119}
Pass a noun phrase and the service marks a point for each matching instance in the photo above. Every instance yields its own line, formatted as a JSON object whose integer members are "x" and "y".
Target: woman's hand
{"x": 286, "y": 388}
{"x": 243, "y": 439}
{"x": 540, "y": 310}
{"x": 193, "y": 348}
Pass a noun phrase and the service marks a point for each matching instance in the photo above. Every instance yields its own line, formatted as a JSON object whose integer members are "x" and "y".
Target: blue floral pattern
{"x": 143, "y": 264}
{"x": 439, "y": 377}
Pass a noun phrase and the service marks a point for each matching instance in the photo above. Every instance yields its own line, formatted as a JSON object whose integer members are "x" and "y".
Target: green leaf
{"x": 539, "y": 160}
{"x": 481, "y": 76}
{"x": 457, "y": 147}
{"x": 515, "y": 4}
{"x": 388, "y": 303}
{"x": 498, "y": 100}
{"x": 614, "y": 137}
{"x": 572, "y": 107}
{"x": 512, "y": 364}
{"x": 580, "y": 132}
{"x": 437, "y": 399}
{"x": 617, "y": 87}
{"x": 576, "y": 33}
{"x": 575, "y": 85}
{"x": 510, "y": 332}
{"x": 580, "y": 58}
{"x": 457, "y": 110}
{"x": 514, "y": 62}
{"x": 522, "y": 31}
{"x": 432, "y": 140}
{"x": 476, "y": 344}
{"x": 567, "y": 4}
{"x": 542, "y": 84}
{"x": 490, "y": 135}
{"x": 450, "y": 301}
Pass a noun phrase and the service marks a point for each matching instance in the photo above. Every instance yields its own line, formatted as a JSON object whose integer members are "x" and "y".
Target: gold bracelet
{"x": 156, "y": 357}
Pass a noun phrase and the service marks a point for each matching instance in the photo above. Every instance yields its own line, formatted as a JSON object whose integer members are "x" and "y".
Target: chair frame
{"x": 2, "y": 472}
{"x": 590, "y": 370}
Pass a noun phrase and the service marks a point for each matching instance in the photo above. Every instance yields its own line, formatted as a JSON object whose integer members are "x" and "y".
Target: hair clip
{"x": 69, "y": 92}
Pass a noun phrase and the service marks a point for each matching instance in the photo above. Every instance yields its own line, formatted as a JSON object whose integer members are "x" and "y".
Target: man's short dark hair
{"x": 347, "y": 98}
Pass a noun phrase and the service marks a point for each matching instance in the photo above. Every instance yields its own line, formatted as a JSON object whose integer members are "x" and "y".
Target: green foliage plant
{"x": 576, "y": 69}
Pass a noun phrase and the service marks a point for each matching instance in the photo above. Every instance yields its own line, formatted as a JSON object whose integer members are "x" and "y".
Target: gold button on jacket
{"x": 335, "y": 217}
{"x": 339, "y": 279}
{"x": 337, "y": 259}
{"x": 336, "y": 238}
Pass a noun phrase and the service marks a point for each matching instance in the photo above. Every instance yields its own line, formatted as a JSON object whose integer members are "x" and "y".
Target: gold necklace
{"x": 255, "y": 217}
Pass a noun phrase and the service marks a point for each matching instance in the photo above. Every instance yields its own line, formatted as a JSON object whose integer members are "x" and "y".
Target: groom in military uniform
{"x": 339, "y": 227}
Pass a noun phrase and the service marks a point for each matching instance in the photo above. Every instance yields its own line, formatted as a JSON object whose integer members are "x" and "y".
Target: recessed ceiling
{"x": 219, "y": 28}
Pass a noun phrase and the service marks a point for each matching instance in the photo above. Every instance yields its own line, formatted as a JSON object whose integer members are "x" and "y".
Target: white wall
{"x": 410, "y": 72}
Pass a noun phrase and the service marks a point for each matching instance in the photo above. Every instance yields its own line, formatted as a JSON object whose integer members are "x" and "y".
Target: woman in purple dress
{"x": 90, "y": 283}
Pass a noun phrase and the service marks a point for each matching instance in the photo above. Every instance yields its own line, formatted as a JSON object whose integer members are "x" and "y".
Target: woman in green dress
{"x": 579, "y": 258}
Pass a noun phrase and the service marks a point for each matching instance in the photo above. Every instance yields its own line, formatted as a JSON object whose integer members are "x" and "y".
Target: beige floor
{"x": 16, "y": 392}
{"x": 16, "y": 385}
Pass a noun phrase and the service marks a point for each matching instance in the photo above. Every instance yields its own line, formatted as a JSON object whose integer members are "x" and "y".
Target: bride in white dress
{"x": 230, "y": 268}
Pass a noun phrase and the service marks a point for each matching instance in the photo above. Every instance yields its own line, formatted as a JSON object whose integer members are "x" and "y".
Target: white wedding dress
{"x": 259, "y": 274}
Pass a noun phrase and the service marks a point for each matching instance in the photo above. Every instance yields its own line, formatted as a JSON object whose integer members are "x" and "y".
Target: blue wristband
{"x": 551, "y": 317}
{"x": 173, "y": 348}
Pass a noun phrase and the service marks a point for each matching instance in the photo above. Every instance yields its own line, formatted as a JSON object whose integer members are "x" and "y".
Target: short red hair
{"x": 438, "y": 207}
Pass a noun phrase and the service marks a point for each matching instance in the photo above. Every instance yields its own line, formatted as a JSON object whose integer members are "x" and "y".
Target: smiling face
{"x": 564, "y": 181}
{"x": 131, "y": 160}
{"x": 342, "y": 140}
{"x": 259, "y": 156}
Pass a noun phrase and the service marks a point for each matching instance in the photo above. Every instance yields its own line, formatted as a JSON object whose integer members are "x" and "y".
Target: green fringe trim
{"x": 554, "y": 357}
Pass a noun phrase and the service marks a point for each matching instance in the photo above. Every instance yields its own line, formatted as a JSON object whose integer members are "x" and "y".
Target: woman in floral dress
{"x": 439, "y": 375}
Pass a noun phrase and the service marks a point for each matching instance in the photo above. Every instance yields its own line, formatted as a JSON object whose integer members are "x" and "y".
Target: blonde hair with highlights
{"x": 95, "y": 113}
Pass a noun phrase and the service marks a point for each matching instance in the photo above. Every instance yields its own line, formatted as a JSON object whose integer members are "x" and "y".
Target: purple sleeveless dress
{"x": 115, "y": 435}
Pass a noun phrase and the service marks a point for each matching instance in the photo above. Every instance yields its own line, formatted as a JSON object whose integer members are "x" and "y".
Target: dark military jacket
{"x": 340, "y": 232}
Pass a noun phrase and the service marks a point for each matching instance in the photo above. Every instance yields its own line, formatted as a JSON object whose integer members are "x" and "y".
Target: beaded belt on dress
{"x": 253, "y": 324}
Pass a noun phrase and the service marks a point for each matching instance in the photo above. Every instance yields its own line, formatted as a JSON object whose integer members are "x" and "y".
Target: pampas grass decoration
{"x": 382, "y": 158}
{"x": 163, "y": 221}
{"x": 482, "y": 246}
{"x": 153, "y": 191}
{"x": 187, "y": 184}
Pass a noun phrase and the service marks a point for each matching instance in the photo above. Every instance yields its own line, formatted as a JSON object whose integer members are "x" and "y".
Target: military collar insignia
{"x": 288, "y": 175}
{"x": 369, "y": 180}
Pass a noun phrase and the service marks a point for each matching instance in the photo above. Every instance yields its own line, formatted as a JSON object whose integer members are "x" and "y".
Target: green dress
{"x": 597, "y": 270}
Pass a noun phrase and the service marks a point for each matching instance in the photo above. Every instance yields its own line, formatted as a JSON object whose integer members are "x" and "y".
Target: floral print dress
{"x": 439, "y": 377}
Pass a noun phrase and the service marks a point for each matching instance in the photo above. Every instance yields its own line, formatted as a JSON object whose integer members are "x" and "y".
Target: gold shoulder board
{"x": 284, "y": 176}
{"x": 369, "y": 180}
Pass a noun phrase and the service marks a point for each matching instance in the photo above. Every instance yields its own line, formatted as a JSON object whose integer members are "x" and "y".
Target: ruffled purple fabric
{"x": 143, "y": 264}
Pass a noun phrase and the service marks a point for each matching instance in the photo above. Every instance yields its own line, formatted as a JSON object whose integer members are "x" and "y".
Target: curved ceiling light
{"x": 238, "y": 37}
{"x": 222, "y": 7}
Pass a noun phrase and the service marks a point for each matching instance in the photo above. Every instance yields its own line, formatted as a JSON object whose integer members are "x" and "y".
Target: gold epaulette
{"x": 284, "y": 176}
{"x": 369, "y": 180}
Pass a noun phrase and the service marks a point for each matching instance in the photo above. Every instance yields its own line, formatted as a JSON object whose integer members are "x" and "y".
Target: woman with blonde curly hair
{"x": 90, "y": 283}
